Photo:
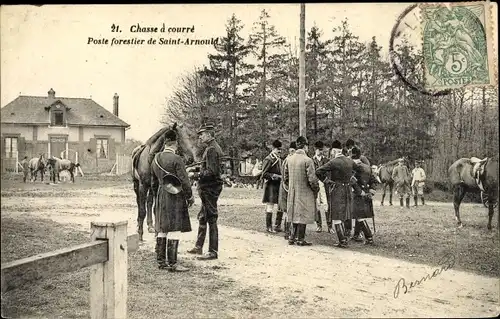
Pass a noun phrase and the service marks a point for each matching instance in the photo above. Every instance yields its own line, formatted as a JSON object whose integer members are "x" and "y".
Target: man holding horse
{"x": 401, "y": 177}
{"x": 173, "y": 192}
{"x": 271, "y": 172}
{"x": 209, "y": 189}
{"x": 418, "y": 182}
{"x": 336, "y": 175}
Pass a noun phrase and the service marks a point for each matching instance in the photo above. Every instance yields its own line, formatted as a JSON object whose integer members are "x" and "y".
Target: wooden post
{"x": 108, "y": 280}
{"x": 302, "y": 72}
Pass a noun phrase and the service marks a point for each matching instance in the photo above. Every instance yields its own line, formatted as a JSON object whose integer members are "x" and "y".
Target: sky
{"x": 47, "y": 47}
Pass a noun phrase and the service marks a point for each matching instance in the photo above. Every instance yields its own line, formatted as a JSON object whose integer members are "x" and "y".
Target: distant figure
{"x": 418, "y": 182}
{"x": 25, "y": 164}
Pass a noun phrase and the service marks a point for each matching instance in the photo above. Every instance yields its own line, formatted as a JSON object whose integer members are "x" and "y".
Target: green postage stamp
{"x": 458, "y": 45}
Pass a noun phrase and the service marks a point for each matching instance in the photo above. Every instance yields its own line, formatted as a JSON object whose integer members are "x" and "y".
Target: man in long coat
{"x": 209, "y": 189}
{"x": 271, "y": 173}
{"x": 363, "y": 191}
{"x": 174, "y": 196}
{"x": 402, "y": 180}
{"x": 283, "y": 195}
{"x": 303, "y": 188}
{"x": 336, "y": 175}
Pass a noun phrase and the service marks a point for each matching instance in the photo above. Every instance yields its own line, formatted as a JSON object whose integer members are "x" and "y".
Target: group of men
{"x": 338, "y": 182}
{"x": 401, "y": 176}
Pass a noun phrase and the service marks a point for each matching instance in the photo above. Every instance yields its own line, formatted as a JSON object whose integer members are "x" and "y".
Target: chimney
{"x": 52, "y": 93}
{"x": 115, "y": 104}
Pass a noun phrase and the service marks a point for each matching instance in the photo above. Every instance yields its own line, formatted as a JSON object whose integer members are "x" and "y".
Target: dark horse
{"x": 37, "y": 164}
{"x": 384, "y": 174}
{"x": 57, "y": 165}
{"x": 462, "y": 179}
{"x": 142, "y": 158}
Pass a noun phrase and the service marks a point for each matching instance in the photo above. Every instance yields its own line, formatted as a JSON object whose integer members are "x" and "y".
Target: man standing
{"x": 418, "y": 182}
{"x": 271, "y": 172}
{"x": 174, "y": 195}
{"x": 26, "y": 169}
{"x": 401, "y": 177}
{"x": 283, "y": 195}
{"x": 302, "y": 191}
{"x": 336, "y": 175}
{"x": 319, "y": 160}
{"x": 363, "y": 190}
{"x": 350, "y": 144}
{"x": 209, "y": 189}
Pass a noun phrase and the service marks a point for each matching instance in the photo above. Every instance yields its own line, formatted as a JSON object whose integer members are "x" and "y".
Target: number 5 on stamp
{"x": 458, "y": 45}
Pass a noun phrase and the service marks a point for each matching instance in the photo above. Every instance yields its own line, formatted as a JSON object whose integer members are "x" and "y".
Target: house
{"x": 74, "y": 128}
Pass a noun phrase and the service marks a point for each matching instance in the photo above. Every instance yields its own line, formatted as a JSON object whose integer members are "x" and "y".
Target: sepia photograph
{"x": 300, "y": 160}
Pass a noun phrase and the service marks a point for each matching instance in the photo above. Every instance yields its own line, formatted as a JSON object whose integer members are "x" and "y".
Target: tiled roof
{"x": 33, "y": 110}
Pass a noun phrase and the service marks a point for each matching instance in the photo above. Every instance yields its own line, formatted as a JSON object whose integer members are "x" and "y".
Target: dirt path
{"x": 325, "y": 281}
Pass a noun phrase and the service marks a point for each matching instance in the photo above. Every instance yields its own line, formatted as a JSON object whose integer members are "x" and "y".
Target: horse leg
{"x": 149, "y": 209}
{"x": 391, "y": 186}
{"x": 141, "y": 209}
{"x": 459, "y": 194}
{"x": 41, "y": 175}
{"x": 383, "y": 195}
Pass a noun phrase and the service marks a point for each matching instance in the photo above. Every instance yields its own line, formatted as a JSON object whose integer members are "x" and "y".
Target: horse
{"x": 384, "y": 174}
{"x": 57, "y": 165}
{"x": 467, "y": 175}
{"x": 142, "y": 157}
{"x": 37, "y": 164}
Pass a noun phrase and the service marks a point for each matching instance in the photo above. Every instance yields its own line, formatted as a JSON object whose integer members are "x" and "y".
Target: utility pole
{"x": 302, "y": 72}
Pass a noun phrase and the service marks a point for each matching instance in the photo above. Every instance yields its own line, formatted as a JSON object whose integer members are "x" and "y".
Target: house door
{"x": 57, "y": 146}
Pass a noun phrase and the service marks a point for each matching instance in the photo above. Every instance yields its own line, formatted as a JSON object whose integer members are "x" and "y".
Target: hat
{"x": 349, "y": 143}
{"x": 301, "y": 141}
{"x": 319, "y": 144}
{"x": 170, "y": 135}
{"x": 337, "y": 144}
{"x": 356, "y": 152}
{"x": 277, "y": 144}
{"x": 206, "y": 127}
{"x": 293, "y": 145}
{"x": 172, "y": 184}
{"x": 401, "y": 160}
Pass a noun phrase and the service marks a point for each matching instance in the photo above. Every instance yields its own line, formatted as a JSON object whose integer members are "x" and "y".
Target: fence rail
{"x": 106, "y": 254}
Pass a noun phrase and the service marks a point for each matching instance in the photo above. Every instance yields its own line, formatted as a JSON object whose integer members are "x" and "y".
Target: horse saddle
{"x": 478, "y": 170}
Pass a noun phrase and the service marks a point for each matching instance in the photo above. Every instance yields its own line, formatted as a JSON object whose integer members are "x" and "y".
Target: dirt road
{"x": 325, "y": 281}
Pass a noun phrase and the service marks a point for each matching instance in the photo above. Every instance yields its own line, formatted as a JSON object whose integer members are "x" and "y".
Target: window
{"x": 102, "y": 148}
{"x": 57, "y": 118}
{"x": 10, "y": 147}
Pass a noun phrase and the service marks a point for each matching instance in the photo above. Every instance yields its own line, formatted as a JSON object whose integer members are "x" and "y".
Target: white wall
{"x": 24, "y": 130}
{"x": 113, "y": 132}
{"x": 44, "y": 131}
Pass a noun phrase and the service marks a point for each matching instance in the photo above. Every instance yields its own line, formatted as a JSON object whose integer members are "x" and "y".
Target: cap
{"x": 206, "y": 127}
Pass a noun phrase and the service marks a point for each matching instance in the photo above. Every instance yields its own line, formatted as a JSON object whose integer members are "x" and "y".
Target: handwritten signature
{"x": 448, "y": 261}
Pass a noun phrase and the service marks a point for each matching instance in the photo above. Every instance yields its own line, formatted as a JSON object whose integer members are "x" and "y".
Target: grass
{"x": 423, "y": 234}
{"x": 152, "y": 293}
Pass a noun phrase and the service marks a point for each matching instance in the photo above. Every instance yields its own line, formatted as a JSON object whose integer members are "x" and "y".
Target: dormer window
{"x": 57, "y": 118}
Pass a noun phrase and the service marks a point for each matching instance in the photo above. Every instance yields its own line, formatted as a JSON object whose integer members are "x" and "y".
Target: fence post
{"x": 108, "y": 281}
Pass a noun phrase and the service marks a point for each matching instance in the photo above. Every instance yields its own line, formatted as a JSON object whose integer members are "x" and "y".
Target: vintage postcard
{"x": 314, "y": 160}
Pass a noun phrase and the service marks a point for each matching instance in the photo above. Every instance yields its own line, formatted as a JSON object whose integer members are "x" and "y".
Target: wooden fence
{"x": 106, "y": 254}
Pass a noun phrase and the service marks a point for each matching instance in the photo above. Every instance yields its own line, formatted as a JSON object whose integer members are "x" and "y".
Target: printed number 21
{"x": 115, "y": 28}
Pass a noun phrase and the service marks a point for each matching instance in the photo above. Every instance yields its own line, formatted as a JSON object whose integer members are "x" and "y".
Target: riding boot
{"x": 348, "y": 228}
{"x": 287, "y": 229}
{"x": 213, "y": 242}
{"x": 339, "y": 229}
{"x": 401, "y": 202}
{"x": 172, "y": 248}
{"x": 279, "y": 219}
{"x": 415, "y": 199}
{"x": 269, "y": 222}
{"x": 408, "y": 202}
{"x": 293, "y": 235}
{"x": 200, "y": 240}
{"x": 302, "y": 235}
{"x": 319, "y": 222}
{"x": 367, "y": 232}
{"x": 161, "y": 252}
{"x": 423, "y": 201}
{"x": 357, "y": 231}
